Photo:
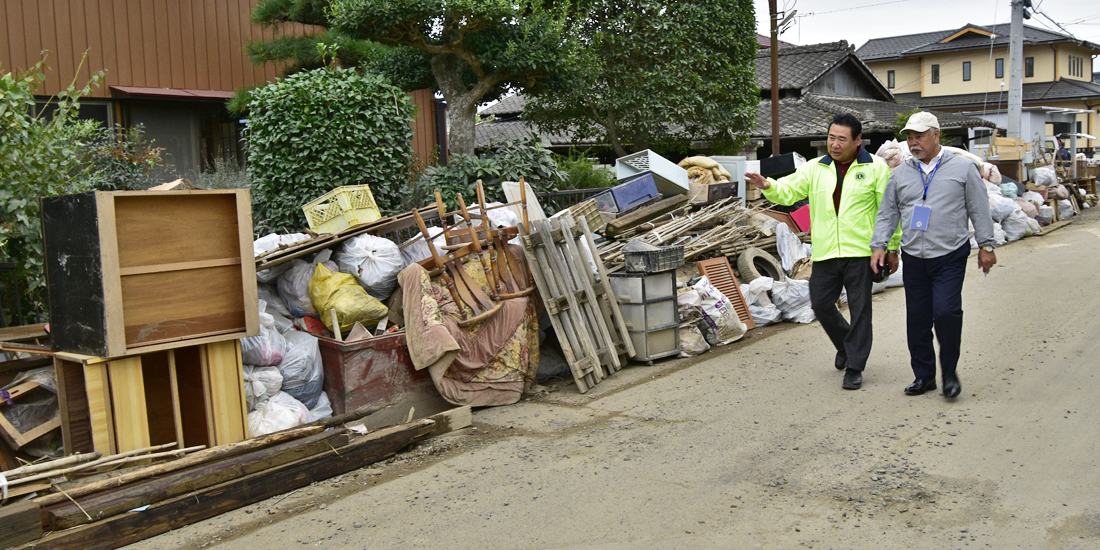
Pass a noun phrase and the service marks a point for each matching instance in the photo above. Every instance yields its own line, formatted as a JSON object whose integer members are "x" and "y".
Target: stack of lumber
{"x": 703, "y": 233}
{"x": 102, "y": 514}
{"x": 1010, "y": 148}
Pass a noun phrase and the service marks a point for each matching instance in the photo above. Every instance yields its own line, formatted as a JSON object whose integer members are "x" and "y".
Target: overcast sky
{"x": 858, "y": 21}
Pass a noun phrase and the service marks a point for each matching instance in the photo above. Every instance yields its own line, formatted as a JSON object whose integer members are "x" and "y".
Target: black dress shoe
{"x": 853, "y": 379}
{"x": 951, "y": 386}
{"x": 919, "y": 386}
{"x": 841, "y": 360}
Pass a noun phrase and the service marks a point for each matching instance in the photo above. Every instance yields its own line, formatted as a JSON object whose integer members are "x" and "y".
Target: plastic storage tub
{"x": 642, "y": 288}
{"x": 669, "y": 178}
{"x": 650, "y": 316}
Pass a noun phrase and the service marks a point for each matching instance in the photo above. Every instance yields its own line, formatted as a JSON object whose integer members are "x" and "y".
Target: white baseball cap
{"x": 922, "y": 122}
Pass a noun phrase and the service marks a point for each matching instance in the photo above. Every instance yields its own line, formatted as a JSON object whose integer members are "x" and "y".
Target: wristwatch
{"x": 894, "y": 252}
{"x": 987, "y": 248}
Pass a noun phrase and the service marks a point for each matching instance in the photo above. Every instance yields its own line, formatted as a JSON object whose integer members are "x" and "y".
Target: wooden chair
{"x": 465, "y": 292}
{"x": 512, "y": 279}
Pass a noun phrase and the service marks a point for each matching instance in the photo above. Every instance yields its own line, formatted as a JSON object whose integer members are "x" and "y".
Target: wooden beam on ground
{"x": 19, "y": 524}
{"x": 115, "y": 501}
{"x": 642, "y": 215}
{"x": 186, "y": 509}
{"x": 452, "y": 420}
{"x": 201, "y": 457}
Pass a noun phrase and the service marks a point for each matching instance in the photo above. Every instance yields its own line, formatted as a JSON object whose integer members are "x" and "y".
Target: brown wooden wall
{"x": 183, "y": 44}
{"x": 424, "y": 138}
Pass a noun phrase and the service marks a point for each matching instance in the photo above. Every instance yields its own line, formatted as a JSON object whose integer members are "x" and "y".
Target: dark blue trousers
{"x": 933, "y": 299}
{"x": 826, "y": 281}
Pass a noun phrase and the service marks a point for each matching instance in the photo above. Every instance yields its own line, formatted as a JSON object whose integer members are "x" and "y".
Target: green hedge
{"x": 317, "y": 130}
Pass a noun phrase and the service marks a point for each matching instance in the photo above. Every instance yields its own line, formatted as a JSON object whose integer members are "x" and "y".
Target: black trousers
{"x": 933, "y": 299}
{"x": 826, "y": 281}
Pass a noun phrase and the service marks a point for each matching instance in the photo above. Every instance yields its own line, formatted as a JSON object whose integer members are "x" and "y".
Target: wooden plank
{"x": 27, "y": 363}
{"x": 174, "y": 389}
{"x": 19, "y": 524}
{"x": 19, "y": 439}
{"x": 179, "y": 266}
{"x": 580, "y": 271}
{"x": 452, "y": 420}
{"x": 128, "y": 404}
{"x": 152, "y": 490}
{"x": 184, "y": 510}
{"x": 202, "y": 457}
{"x": 76, "y": 424}
{"x": 251, "y": 302}
{"x": 226, "y": 392}
{"x": 112, "y": 283}
{"x": 644, "y": 214}
{"x": 98, "y": 388}
{"x": 549, "y": 297}
{"x": 607, "y": 295}
{"x": 23, "y": 333}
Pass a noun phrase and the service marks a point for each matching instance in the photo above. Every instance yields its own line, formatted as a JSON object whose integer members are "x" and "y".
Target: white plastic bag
{"x": 1015, "y": 225}
{"x": 266, "y": 348}
{"x": 791, "y": 249}
{"x": 281, "y": 412}
{"x": 792, "y": 297}
{"x": 1033, "y": 227}
{"x": 1034, "y": 198}
{"x": 761, "y": 308}
{"x": 499, "y": 217}
{"x": 1065, "y": 209}
{"x": 323, "y": 408}
{"x": 1028, "y": 207}
{"x": 1046, "y": 214}
{"x": 374, "y": 261}
{"x": 1044, "y": 175}
{"x": 275, "y": 303}
{"x": 721, "y": 318}
{"x": 1000, "y": 207}
{"x": 303, "y": 374}
{"x": 260, "y": 384}
{"x": 270, "y": 242}
{"x": 415, "y": 249}
{"x": 999, "y": 237}
{"x": 294, "y": 287}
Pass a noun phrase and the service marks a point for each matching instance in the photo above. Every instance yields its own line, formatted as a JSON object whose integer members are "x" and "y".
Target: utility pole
{"x": 773, "y": 15}
{"x": 1016, "y": 68}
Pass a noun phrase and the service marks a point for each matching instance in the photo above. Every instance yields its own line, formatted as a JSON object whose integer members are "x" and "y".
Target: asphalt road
{"x": 756, "y": 445}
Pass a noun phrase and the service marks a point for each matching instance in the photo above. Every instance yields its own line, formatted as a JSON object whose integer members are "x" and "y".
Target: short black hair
{"x": 853, "y": 124}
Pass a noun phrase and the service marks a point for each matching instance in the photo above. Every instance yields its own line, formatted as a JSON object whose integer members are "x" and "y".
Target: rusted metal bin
{"x": 377, "y": 372}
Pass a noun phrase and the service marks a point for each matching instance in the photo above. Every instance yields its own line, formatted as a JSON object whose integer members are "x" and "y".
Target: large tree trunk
{"x": 461, "y": 100}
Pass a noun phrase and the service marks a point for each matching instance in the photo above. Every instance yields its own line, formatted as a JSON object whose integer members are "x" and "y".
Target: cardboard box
{"x": 711, "y": 192}
{"x": 1008, "y": 142}
{"x": 1009, "y": 153}
{"x": 753, "y": 194}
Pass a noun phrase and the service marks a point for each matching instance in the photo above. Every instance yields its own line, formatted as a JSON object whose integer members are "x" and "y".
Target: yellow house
{"x": 967, "y": 69}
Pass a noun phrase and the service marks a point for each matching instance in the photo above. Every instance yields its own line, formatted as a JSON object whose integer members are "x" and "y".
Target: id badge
{"x": 920, "y": 218}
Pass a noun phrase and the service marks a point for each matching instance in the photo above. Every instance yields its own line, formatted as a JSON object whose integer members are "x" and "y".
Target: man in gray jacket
{"x": 934, "y": 194}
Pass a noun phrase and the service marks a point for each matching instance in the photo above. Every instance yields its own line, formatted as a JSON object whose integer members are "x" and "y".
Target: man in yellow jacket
{"x": 845, "y": 189}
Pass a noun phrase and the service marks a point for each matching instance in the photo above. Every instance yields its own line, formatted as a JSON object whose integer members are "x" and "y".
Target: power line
{"x": 857, "y": 7}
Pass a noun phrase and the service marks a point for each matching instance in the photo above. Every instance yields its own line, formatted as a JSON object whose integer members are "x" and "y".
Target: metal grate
{"x": 719, "y": 273}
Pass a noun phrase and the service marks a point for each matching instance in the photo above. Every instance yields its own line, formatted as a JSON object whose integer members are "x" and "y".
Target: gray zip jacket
{"x": 955, "y": 195}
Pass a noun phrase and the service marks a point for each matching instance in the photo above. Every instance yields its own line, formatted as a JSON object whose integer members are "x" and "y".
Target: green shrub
{"x": 581, "y": 173}
{"x": 515, "y": 159}
{"x": 117, "y": 159}
{"x": 39, "y": 157}
{"x": 220, "y": 174}
{"x": 317, "y": 130}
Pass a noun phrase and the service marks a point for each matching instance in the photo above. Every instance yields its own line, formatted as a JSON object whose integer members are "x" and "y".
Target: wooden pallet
{"x": 588, "y": 323}
{"x": 720, "y": 274}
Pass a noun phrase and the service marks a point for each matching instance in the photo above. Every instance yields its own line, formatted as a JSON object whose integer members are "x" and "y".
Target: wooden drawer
{"x": 192, "y": 395}
{"x": 135, "y": 271}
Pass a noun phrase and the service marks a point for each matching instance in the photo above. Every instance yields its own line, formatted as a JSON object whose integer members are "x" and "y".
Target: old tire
{"x": 754, "y": 263}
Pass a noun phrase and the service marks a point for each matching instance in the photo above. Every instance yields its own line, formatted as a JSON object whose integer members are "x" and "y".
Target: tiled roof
{"x": 489, "y": 134}
{"x": 1038, "y": 92}
{"x": 766, "y": 42}
{"x": 511, "y": 105}
{"x": 800, "y": 66}
{"x": 809, "y": 116}
{"x": 894, "y": 47}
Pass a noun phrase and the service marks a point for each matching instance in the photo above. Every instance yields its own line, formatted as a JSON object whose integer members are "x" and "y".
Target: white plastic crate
{"x": 670, "y": 178}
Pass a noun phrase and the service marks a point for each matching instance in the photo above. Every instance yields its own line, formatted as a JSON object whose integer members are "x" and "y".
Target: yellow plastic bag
{"x": 340, "y": 291}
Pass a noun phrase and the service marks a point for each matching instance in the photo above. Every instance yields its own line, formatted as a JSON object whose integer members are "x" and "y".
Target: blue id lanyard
{"x": 930, "y": 176}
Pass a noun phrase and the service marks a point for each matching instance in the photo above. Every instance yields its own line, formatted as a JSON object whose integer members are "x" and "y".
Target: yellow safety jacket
{"x": 847, "y": 233}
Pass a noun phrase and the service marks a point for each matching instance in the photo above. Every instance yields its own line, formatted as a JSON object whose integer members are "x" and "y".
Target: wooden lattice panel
{"x": 720, "y": 274}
